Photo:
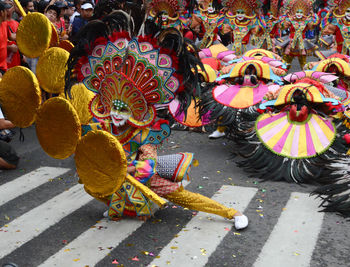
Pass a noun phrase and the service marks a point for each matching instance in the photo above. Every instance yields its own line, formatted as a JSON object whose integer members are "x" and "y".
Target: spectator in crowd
{"x": 8, "y": 156}
{"x": 3, "y": 37}
{"x": 71, "y": 9}
{"x": 13, "y": 55}
{"x": 60, "y": 8}
{"x": 86, "y": 12}
{"x": 52, "y": 12}
{"x": 28, "y": 5}
{"x": 77, "y": 6}
{"x": 42, "y": 5}
{"x": 66, "y": 22}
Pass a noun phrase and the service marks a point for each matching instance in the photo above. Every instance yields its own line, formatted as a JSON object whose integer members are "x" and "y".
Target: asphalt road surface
{"x": 46, "y": 218}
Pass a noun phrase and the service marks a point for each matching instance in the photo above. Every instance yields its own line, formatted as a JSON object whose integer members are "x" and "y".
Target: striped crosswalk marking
{"x": 105, "y": 234}
{"x": 27, "y": 182}
{"x": 294, "y": 237}
{"x": 85, "y": 250}
{"x": 37, "y": 220}
{"x": 202, "y": 232}
{"x": 291, "y": 243}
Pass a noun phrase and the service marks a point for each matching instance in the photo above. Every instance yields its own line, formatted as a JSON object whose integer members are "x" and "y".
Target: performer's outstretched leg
{"x": 195, "y": 201}
{"x": 288, "y": 59}
{"x": 302, "y": 61}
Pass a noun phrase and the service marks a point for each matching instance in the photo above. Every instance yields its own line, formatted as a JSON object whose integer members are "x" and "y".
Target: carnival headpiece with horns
{"x": 170, "y": 7}
{"x": 204, "y": 4}
{"x": 274, "y": 6}
{"x": 295, "y": 5}
{"x": 340, "y": 7}
{"x": 249, "y": 6}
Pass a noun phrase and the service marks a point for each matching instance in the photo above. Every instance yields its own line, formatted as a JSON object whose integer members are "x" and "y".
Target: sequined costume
{"x": 168, "y": 14}
{"x": 208, "y": 20}
{"x": 336, "y": 26}
{"x": 298, "y": 20}
{"x": 269, "y": 28}
{"x": 241, "y": 21}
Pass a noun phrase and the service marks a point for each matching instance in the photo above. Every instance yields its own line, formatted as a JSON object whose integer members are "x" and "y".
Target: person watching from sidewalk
{"x": 3, "y": 37}
{"x": 86, "y": 12}
{"x": 13, "y": 55}
{"x": 8, "y": 156}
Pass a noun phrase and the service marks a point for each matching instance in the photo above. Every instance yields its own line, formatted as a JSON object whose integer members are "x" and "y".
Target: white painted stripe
{"x": 27, "y": 182}
{"x": 85, "y": 249}
{"x": 37, "y": 220}
{"x": 199, "y": 239}
{"x": 94, "y": 244}
{"x": 294, "y": 237}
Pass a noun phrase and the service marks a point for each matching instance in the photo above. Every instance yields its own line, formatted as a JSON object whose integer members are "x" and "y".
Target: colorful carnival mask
{"x": 299, "y": 8}
{"x": 299, "y": 14}
{"x": 120, "y": 113}
{"x": 211, "y": 8}
{"x": 244, "y": 9}
{"x": 126, "y": 90}
{"x": 240, "y": 14}
{"x": 347, "y": 14}
{"x": 165, "y": 17}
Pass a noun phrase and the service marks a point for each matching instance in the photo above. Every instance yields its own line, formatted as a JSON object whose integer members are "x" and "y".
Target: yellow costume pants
{"x": 194, "y": 201}
{"x": 289, "y": 59}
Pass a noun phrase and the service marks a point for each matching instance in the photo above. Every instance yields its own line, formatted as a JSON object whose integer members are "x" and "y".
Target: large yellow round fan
{"x": 101, "y": 163}
{"x": 58, "y": 127}
{"x": 20, "y": 96}
{"x": 51, "y": 69}
{"x": 34, "y": 34}
{"x": 80, "y": 100}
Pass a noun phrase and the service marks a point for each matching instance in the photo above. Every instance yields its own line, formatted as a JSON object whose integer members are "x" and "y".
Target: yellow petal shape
{"x": 101, "y": 163}
{"x": 34, "y": 34}
{"x": 20, "y": 96}
{"x": 51, "y": 70}
{"x": 58, "y": 127}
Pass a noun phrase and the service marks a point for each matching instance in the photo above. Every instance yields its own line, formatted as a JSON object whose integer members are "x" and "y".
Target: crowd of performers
{"x": 209, "y": 63}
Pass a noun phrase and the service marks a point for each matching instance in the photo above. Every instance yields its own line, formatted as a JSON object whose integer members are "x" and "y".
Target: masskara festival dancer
{"x": 240, "y": 87}
{"x": 269, "y": 28}
{"x": 241, "y": 21}
{"x": 298, "y": 20}
{"x": 116, "y": 157}
{"x": 125, "y": 96}
{"x": 336, "y": 27}
{"x": 207, "y": 21}
{"x": 166, "y": 13}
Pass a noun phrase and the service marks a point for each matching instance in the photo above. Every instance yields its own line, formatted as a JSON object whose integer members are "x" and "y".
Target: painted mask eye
{"x": 124, "y": 109}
